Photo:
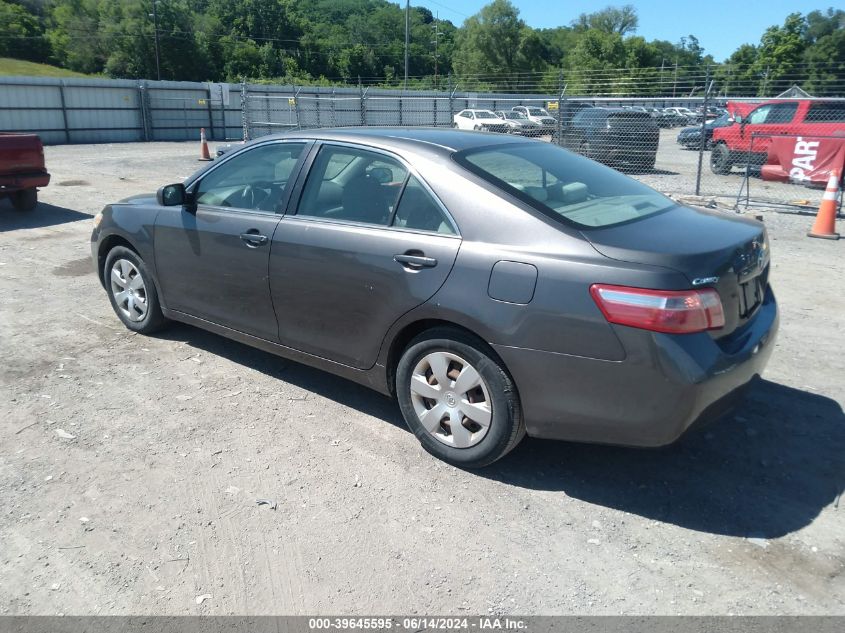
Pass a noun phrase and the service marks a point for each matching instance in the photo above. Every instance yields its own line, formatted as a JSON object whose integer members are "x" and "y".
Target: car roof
{"x": 441, "y": 141}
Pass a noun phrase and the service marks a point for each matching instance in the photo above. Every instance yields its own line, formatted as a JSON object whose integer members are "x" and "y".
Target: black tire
{"x": 153, "y": 319}
{"x": 720, "y": 159}
{"x": 25, "y": 199}
{"x": 506, "y": 427}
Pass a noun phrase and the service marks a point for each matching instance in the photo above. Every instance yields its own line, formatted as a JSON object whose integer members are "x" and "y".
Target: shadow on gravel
{"x": 767, "y": 471}
{"x": 329, "y": 386}
{"x": 43, "y": 215}
{"x": 635, "y": 171}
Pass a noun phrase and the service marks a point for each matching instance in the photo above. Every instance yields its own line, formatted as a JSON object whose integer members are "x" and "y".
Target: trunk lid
{"x": 710, "y": 249}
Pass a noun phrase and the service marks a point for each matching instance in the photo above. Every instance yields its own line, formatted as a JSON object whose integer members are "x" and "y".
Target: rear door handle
{"x": 415, "y": 261}
{"x": 253, "y": 239}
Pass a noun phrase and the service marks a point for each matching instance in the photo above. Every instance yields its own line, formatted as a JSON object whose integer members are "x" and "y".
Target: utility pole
{"x": 407, "y": 37}
{"x": 155, "y": 26}
{"x": 436, "y": 37}
{"x": 675, "y": 81}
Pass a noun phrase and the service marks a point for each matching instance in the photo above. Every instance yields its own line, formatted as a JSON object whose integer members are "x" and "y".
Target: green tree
{"x": 779, "y": 55}
{"x": 21, "y": 33}
{"x": 73, "y": 33}
{"x": 497, "y": 46}
{"x": 825, "y": 61}
{"x": 611, "y": 20}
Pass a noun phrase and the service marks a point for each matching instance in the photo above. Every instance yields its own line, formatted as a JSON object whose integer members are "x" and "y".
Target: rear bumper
{"x": 665, "y": 384}
{"x": 16, "y": 182}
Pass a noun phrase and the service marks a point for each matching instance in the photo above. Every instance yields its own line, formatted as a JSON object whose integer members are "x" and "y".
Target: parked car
{"x": 547, "y": 123}
{"x": 690, "y": 137}
{"x": 497, "y": 286}
{"x": 518, "y": 123}
{"x": 660, "y": 117}
{"x": 479, "y": 120}
{"x": 22, "y": 169}
{"x": 681, "y": 116}
{"x": 614, "y": 136}
{"x": 747, "y": 143}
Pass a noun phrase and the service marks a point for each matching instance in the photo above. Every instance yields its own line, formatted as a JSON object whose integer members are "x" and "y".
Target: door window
{"x": 365, "y": 190}
{"x": 773, "y": 113}
{"x": 255, "y": 180}
{"x": 418, "y": 210}
{"x": 829, "y": 112}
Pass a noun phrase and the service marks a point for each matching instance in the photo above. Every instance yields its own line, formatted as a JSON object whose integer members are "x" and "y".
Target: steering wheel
{"x": 254, "y": 194}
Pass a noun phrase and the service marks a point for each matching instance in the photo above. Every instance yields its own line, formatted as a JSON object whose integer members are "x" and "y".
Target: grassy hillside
{"x": 20, "y": 67}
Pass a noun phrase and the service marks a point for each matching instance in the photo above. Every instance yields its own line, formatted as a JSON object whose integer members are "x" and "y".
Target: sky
{"x": 721, "y": 26}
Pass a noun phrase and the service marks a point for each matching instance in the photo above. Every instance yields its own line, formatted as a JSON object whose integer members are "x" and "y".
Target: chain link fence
{"x": 709, "y": 149}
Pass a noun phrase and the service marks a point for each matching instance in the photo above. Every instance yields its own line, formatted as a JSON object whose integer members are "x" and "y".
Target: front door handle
{"x": 415, "y": 261}
{"x": 253, "y": 238}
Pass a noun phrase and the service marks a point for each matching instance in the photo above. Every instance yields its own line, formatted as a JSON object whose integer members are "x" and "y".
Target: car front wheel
{"x": 131, "y": 291}
{"x": 457, "y": 399}
{"x": 720, "y": 159}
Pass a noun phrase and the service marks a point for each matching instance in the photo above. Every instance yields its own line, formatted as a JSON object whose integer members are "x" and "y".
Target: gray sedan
{"x": 496, "y": 286}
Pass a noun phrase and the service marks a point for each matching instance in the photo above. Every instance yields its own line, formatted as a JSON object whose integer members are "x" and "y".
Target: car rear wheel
{"x": 25, "y": 199}
{"x": 720, "y": 159}
{"x": 132, "y": 292}
{"x": 457, "y": 399}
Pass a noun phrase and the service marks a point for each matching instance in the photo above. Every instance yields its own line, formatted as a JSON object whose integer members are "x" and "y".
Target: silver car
{"x": 518, "y": 123}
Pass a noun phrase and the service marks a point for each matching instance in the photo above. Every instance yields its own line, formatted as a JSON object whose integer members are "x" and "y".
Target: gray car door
{"x": 368, "y": 243}
{"x": 212, "y": 257}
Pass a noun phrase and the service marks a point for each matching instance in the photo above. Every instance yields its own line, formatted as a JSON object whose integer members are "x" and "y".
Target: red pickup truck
{"x": 22, "y": 169}
{"x": 747, "y": 142}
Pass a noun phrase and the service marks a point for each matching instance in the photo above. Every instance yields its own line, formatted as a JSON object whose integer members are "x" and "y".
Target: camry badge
{"x": 703, "y": 281}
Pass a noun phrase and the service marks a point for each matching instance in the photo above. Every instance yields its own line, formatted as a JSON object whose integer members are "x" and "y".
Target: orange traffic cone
{"x": 204, "y": 155}
{"x": 825, "y": 223}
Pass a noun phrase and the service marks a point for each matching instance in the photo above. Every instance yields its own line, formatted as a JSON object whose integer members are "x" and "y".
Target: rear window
{"x": 564, "y": 186}
{"x": 629, "y": 115}
{"x": 590, "y": 115}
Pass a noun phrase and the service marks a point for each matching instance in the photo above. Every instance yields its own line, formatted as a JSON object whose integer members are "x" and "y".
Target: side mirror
{"x": 172, "y": 195}
{"x": 738, "y": 118}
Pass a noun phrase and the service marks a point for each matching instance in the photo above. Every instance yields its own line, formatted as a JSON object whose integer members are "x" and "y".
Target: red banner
{"x": 804, "y": 159}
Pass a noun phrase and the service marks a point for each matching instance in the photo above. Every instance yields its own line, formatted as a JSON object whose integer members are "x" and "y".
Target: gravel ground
{"x": 150, "y": 505}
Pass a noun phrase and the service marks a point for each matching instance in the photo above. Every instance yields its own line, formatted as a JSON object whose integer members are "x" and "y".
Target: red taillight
{"x": 670, "y": 311}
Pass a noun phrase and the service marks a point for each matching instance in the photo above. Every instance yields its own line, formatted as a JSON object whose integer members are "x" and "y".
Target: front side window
{"x": 563, "y": 185}
{"x": 773, "y": 113}
{"x": 419, "y": 211}
{"x": 364, "y": 191}
{"x": 255, "y": 179}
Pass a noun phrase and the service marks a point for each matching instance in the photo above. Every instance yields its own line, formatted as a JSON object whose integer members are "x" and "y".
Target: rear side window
{"x": 563, "y": 185}
{"x": 826, "y": 113}
{"x": 365, "y": 190}
{"x": 417, "y": 210}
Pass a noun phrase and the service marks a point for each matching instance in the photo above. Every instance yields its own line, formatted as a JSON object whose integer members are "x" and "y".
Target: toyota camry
{"x": 496, "y": 286}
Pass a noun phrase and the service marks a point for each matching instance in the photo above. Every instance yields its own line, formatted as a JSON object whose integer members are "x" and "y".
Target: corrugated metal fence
{"x": 106, "y": 110}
